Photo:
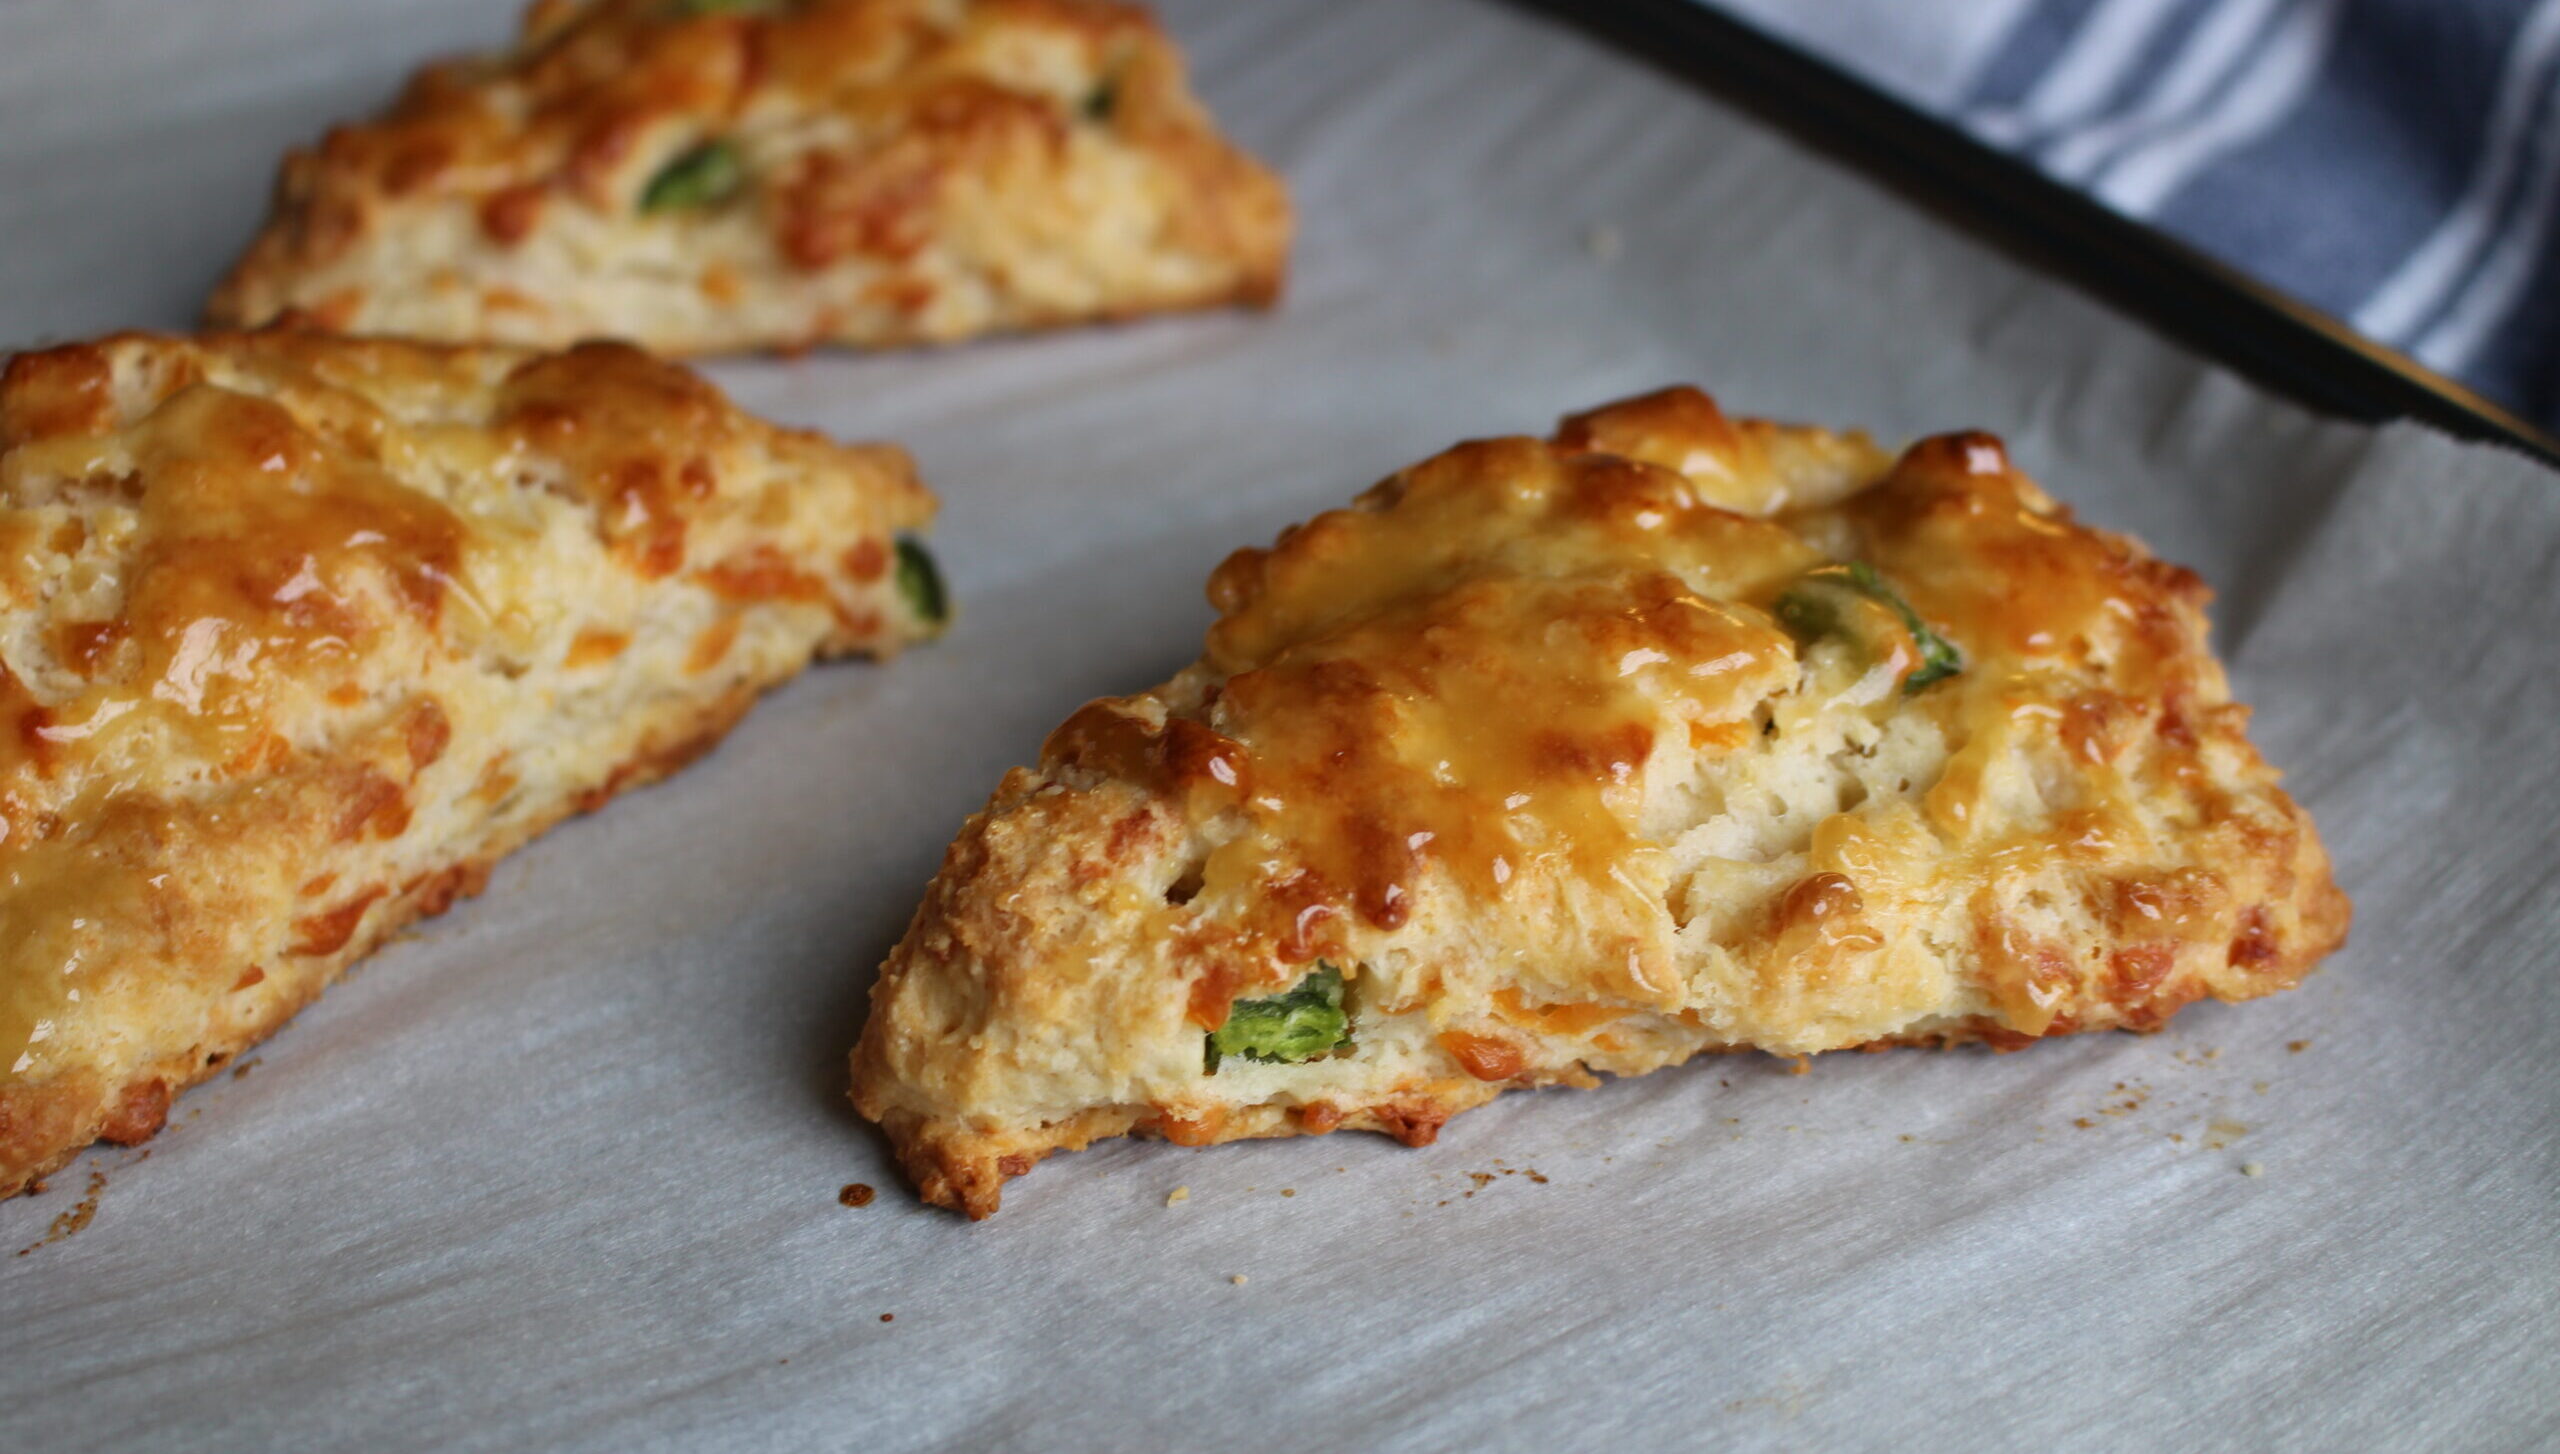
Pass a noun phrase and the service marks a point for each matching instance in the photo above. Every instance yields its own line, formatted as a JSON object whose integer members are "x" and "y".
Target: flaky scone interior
{"x": 298, "y": 635}
{"x": 1548, "y": 759}
{"x": 721, "y": 175}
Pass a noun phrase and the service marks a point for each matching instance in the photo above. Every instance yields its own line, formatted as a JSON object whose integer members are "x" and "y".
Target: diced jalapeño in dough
{"x": 920, "y": 582}
{"x": 1829, "y": 600}
{"x": 1102, "y": 99}
{"x": 1286, "y": 1029}
{"x": 706, "y": 176}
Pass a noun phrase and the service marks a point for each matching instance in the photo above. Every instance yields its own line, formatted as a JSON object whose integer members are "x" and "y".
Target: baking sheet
{"x": 562, "y": 1170}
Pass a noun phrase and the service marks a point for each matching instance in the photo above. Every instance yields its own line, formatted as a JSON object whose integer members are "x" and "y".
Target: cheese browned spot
{"x": 1671, "y": 734}
{"x": 298, "y": 634}
{"x": 870, "y": 172}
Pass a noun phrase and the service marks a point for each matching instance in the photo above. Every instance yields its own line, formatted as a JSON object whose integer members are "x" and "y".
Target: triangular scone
{"x": 1671, "y": 734}
{"x": 298, "y": 635}
{"x": 716, "y": 175}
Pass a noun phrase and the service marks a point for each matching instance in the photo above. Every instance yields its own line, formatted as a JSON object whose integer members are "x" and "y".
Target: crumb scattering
{"x": 856, "y": 1194}
{"x": 2252, "y": 1168}
{"x": 2297, "y": 1046}
{"x": 76, "y": 1219}
{"x": 1238, "y": 1279}
{"x": 1177, "y": 1196}
{"x": 888, "y": 1317}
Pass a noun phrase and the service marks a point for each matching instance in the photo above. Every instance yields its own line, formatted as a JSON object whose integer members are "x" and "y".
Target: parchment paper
{"x": 562, "y": 1170}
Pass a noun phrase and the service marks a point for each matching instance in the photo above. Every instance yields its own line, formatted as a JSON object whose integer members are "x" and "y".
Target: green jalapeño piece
{"x": 1827, "y": 601}
{"x": 1102, "y": 100}
{"x": 920, "y": 582}
{"x": 706, "y": 176}
{"x": 1286, "y": 1029}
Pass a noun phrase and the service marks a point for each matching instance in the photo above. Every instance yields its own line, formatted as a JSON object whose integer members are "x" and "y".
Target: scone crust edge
{"x": 988, "y": 210}
{"x": 169, "y": 413}
{"x": 45, "y": 1126}
{"x": 961, "y": 1162}
{"x": 1037, "y": 1000}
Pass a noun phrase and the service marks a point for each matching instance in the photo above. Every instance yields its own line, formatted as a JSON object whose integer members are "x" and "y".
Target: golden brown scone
{"x": 298, "y": 635}
{"x": 1552, "y": 758}
{"x": 716, "y": 175}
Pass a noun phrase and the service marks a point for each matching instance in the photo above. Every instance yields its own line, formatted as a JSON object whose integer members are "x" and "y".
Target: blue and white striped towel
{"x": 2394, "y": 162}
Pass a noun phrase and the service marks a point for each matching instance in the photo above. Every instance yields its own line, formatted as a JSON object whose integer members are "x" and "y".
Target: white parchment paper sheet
{"x": 562, "y": 1170}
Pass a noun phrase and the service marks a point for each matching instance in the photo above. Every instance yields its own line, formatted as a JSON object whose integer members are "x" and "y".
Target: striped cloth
{"x": 2394, "y": 162}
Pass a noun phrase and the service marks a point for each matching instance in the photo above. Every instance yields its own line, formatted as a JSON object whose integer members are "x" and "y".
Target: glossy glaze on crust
{"x": 1524, "y": 744}
{"x": 870, "y": 172}
{"x": 299, "y": 635}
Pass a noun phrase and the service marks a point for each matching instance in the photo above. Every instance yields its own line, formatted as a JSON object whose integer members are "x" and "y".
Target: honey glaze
{"x": 1466, "y": 676}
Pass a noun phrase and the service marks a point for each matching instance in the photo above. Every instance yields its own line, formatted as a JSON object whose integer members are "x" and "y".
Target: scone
{"x": 298, "y": 635}
{"x": 716, "y": 175}
{"x": 1555, "y": 758}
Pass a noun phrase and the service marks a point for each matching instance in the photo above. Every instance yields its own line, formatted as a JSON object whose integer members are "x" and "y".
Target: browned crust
{"x": 585, "y": 104}
{"x": 44, "y": 1125}
{"x": 1007, "y": 939}
{"x": 965, "y": 1170}
{"x": 963, "y": 1167}
{"x": 202, "y": 935}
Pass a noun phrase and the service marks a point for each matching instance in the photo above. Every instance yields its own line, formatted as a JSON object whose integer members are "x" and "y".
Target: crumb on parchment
{"x": 75, "y": 1220}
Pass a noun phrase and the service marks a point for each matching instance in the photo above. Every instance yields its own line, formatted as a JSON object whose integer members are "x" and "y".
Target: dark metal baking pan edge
{"x": 2209, "y": 306}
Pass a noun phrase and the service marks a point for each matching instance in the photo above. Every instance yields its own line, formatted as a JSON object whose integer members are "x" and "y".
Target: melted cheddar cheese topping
{"x": 1671, "y": 733}
{"x": 253, "y": 589}
{"x": 699, "y": 176}
{"x": 1512, "y": 672}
